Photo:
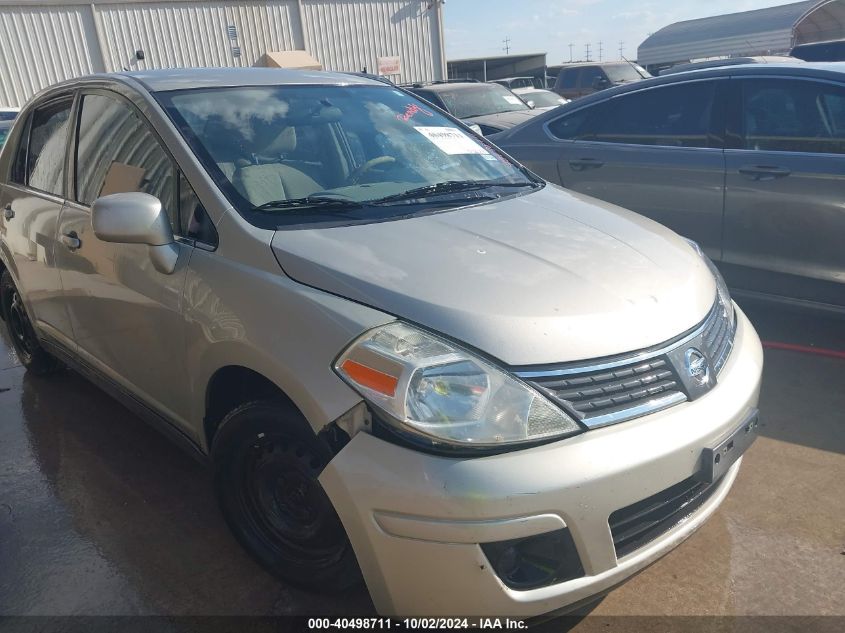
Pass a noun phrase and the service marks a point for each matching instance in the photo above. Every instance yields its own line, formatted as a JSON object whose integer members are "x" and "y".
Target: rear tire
{"x": 267, "y": 464}
{"x": 24, "y": 340}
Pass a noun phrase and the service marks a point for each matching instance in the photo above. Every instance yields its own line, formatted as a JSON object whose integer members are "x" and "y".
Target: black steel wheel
{"x": 22, "y": 334}
{"x": 268, "y": 466}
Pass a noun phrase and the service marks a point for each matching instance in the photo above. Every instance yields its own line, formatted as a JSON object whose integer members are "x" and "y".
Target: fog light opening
{"x": 536, "y": 561}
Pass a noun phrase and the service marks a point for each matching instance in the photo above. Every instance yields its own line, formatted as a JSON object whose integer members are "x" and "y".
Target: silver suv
{"x": 406, "y": 357}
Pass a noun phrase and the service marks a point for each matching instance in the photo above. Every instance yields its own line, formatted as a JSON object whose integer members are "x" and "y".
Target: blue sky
{"x": 475, "y": 28}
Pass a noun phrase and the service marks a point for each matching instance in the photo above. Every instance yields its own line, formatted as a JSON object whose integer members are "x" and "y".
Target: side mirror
{"x": 530, "y": 104}
{"x": 600, "y": 83}
{"x": 136, "y": 218}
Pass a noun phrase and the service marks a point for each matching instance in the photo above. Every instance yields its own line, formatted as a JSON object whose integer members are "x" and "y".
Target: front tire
{"x": 24, "y": 340}
{"x": 267, "y": 464}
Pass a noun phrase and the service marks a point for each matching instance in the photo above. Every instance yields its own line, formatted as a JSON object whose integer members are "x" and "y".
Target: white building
{"x": 45, "y": 41}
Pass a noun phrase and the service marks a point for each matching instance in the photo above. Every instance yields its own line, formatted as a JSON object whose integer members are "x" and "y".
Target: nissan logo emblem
{"x": 697, "y": 366}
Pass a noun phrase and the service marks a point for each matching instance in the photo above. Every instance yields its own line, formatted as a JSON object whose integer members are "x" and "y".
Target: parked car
{"x": 820, "y": 51}
{"x": 8, "y": 114}
{"x": 7, "y": 118}
{"x": 511, "y": 83}
{"x": 578, "y": 80}
{"x": 746, "y": 160}
{"x": 731, "y": 61}
{"x": 540, "y": 99}
{"x": 5, "y": 126}
{"x": 491, "y": 107}
{"x": 393, "y": 344}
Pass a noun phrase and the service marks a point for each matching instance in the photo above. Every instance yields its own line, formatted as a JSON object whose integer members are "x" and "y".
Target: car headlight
{"x": 435, "y": 390}
{"x": 721, "y": 286}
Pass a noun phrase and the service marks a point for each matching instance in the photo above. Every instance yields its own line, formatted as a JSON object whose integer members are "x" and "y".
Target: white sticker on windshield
{"x": 511, "y": 99}
{"x": 451, "y": 140}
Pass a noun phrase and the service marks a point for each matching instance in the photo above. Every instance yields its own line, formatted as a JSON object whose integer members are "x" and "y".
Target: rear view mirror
{"x": 136, "y": 218}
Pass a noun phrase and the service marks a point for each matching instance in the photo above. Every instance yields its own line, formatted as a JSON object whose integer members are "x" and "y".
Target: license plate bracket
{"x": 717, "y": 461}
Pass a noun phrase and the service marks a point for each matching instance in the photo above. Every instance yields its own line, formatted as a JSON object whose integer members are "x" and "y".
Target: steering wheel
{"x": 359, "y": 171}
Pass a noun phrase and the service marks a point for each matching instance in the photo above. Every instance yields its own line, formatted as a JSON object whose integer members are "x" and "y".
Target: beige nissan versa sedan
{"x": 406, "y": 357}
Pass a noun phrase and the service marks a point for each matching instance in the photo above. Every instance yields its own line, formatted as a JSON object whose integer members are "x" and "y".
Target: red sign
{"x": 410, "y": 110}
{"x": 389, "y": 66}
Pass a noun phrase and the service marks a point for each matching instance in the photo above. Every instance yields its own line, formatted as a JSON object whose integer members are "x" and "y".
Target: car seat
{"x": 261, "y": 183}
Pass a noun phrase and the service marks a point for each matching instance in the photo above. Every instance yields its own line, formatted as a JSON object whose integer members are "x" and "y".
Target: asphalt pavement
{"x": 101, "y": 515}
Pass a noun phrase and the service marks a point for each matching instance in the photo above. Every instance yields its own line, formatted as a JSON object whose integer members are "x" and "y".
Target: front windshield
{"x": 343, "y": 144}
{"x": 521, "y": 82}
{"x": 479, "y": 100}
{"x": 626, "y": 72}
{"x": 544, "y": 98}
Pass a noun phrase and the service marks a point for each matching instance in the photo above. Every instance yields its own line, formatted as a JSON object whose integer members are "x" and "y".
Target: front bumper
{"x": 416, "y": 520}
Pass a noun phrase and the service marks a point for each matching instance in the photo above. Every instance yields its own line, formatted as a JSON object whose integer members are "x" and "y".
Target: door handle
{"x": 582, "y": 164}
{"x": 764, "y": 172}
{"x": 71, "y": 240}
{"x": 8, "y": 212}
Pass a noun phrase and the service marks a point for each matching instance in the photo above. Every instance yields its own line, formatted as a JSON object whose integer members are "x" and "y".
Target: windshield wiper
{"x": 308, "y": 202}
{"x": 450, "y": 186}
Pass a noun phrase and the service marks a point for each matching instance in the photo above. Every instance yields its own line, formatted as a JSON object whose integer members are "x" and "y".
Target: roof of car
{"x": 807, "y": 69}
{"x": 580, "y": 64}
{"x": 732, "y": 61}
{"x": 452, "y": 86}
{"x": 179, "y": 78}
{"x": 779, "y": 68}
{"x": 820, "y": 70}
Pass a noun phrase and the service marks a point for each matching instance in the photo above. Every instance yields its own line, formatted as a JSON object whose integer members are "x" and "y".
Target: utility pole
{"x": 621, "y": 49}
{"x": 570, "y": 53}
{"x": 587, "y": 47}
{"x": 601, "y": 51}
{"x": 507, "y": 45}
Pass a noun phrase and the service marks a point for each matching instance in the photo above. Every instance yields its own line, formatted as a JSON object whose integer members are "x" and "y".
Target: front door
{"x": 126, "y": 316}
{"x": 784, "y": 212}
{"x": 657, "y": 152}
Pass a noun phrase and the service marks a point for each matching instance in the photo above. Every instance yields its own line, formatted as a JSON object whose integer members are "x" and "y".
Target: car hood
{"x": 503, "y": 120}
{"x": 547, "y": 277}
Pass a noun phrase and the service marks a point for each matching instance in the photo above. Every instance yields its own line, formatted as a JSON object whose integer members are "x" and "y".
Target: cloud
{"x": 239, "y": 109}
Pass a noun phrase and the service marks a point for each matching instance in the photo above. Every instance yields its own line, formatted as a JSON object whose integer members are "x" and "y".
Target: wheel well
{"x": 231, "y": 387}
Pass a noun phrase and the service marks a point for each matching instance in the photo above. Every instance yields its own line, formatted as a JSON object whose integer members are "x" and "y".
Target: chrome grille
{"x": 717, "y": 337}
{"x": 612, "y": 391}
{"x": 625, "y": 387}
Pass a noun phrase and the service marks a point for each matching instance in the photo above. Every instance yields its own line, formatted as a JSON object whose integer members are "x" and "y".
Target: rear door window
{"x": 569, "y": 79}
{"x": 791, "y": 115}
{"x": 47, "y": 147}
{"x": 18, "y": 173}
{"x": 580, "y": 125}
{"x": 673, "y": 116}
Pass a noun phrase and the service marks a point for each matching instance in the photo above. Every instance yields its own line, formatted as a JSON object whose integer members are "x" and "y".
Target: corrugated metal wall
{"x": 352, "y": 34}
{"x": 40, "y": 45}
{"x": 185, "y": 34}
